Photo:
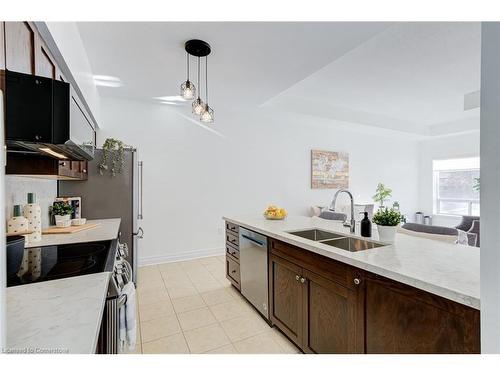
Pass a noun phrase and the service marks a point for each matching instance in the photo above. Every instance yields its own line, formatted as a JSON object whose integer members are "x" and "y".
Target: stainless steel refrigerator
{"x": 106, "y": 196}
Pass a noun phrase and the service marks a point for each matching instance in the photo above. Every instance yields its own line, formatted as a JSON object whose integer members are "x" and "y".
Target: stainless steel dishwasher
{"x": 253, "y": 269}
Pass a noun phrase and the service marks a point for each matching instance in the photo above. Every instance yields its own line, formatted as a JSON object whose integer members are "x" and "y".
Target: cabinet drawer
{"x": 232, "y": 239}
{"x": 232, "y": 251}
{"x": 232, "y": 227}
{"x": 331, "y": 269}
{"x": 233, "y": 272}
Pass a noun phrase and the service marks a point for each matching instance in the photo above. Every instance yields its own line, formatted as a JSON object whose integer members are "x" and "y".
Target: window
{"x": 456, "y": 189}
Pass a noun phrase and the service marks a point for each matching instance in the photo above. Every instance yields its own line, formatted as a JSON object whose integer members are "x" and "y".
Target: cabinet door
{"x": 64, "y": 168}
{"x": 20, "y": 47}
{"x": 44, "y": 64}
{"x": 402, "y": 319}
{"x": 82, "y": 132}
{"x": 286, "y": 295}
{"x": 84, "y": 174}
{"x": 329, "y": 316}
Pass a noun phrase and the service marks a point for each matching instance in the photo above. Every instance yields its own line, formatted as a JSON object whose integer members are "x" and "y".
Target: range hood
{"x": 43, "y": 117}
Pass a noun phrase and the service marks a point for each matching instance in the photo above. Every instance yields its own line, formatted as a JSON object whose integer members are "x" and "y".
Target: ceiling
{"x": 409, "y": 77}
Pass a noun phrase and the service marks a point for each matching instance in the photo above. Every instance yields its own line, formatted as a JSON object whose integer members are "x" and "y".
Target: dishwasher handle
{"x": 258, "y": 243}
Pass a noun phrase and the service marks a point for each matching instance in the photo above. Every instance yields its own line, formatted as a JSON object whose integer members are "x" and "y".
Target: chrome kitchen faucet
{"x": 352, "y": 225}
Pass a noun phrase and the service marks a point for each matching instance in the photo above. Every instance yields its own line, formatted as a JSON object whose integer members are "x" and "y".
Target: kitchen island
{"x": 414, "y": 296}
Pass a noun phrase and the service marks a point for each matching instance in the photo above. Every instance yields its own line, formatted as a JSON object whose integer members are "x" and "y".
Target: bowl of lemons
{"x": 275, "y": 213}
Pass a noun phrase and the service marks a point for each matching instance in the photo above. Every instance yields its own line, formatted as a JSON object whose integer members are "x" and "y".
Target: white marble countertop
{"x": 448, "y": 270}
{"x": 58, "y": 316}
{"x": 107, "y": 230}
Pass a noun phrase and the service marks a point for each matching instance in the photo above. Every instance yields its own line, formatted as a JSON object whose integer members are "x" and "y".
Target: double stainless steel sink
{"x": 336, "y": 240}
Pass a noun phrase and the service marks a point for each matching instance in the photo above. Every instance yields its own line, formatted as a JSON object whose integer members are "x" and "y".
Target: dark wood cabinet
{"x": 329, "y": 316}
{"x": 286, "y": 296}
{"x": 403, "y": 319}
{"x": 23, "y": 50}
{"x": 45, "y": 65}
{"x": 45, "y": 167}
{"x": 233, "y": 255}
{"x": 20, "y": 47}
{"x": 325, "y": 306}
{"x": 313, "y": 302}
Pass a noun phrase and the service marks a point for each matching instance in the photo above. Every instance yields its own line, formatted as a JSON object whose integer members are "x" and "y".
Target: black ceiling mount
{"x": 196, "y": 47}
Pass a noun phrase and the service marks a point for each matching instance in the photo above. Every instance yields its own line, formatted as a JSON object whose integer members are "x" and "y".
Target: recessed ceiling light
{"x": 107, "y": 81}
{"x": 176, "y": 98}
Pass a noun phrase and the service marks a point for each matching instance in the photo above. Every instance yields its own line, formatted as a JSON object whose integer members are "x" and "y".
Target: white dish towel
{"x": 128, "y": 323}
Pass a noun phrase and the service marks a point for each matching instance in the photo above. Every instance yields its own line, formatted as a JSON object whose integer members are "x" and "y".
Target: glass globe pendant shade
{"x": 198, "y": 107}
{"x": 188, "y": 90}
{"x": 207, "y": 115}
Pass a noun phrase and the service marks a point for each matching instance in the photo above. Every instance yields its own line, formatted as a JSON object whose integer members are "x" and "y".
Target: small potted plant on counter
{"x": 62, "y": 212}
{"x": 382, "y": 193}
{"x": 387, "y": 221}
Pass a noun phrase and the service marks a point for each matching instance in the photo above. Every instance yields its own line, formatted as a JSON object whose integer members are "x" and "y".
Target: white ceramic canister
{"x": 33, "y": 212}
{"x": 18, "y": 223}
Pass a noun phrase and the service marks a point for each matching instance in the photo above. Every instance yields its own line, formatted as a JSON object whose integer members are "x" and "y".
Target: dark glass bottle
{"x": 366, "y": 226}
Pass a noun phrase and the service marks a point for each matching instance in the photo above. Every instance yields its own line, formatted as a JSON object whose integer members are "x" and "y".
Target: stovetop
{"x": 61, "y": 261}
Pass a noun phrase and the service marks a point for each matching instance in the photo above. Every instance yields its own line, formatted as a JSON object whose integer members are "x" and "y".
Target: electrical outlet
{"x": 219, "y": 231}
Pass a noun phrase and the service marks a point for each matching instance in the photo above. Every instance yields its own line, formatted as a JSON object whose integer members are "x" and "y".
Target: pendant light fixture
{"x": 208, "y": 113}
{"x": 198, "y": 105}
{"x": 198, "y": 48}
{"x": 188, "y": 90}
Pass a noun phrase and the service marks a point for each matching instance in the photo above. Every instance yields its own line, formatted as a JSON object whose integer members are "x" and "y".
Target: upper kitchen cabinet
{"x": 81, "y": 128}
{"x": 25, "y": 51}
{"x": 20, "y": 47}
{"x": 45, "y": 65}
{"x": 63, "y": 122}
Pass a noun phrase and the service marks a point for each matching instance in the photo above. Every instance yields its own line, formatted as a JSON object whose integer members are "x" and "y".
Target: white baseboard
{"x": 178, "y": 257}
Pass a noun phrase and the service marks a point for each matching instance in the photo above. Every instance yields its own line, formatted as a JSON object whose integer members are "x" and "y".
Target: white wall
{"x": 490, "y": 186}
{"x": 457, "y": 146}
{"x": 70, "y": 44}
{"x": 193, "y": 176}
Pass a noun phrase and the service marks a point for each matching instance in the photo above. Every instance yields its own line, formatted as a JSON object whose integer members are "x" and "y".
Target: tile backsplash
{"x": 17, "y": 189}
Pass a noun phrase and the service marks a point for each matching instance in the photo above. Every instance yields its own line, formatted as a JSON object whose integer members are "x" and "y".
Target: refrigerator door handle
{"x": 139, "y": 233}
{"x": 141, "y": 166}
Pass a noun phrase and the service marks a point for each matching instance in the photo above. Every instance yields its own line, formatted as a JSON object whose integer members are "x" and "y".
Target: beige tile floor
{"x": 190, "y": 307}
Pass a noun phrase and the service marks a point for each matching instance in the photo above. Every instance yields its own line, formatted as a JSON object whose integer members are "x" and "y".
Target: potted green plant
{"x": 381, "y": 194}
{"x": 387, "y": 221}
{"x": 112, "y": 156}
{"x": 61, "y": 211}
